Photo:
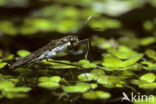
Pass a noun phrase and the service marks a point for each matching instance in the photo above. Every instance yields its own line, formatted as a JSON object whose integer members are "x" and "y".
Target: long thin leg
{"x": 87, "y": 46}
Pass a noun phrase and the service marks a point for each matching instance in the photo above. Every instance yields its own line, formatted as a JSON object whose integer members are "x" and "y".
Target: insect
{"x": 53, "y": 48}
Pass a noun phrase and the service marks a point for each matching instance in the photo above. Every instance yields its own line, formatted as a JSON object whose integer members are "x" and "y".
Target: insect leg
{"x": 87, "y": 46}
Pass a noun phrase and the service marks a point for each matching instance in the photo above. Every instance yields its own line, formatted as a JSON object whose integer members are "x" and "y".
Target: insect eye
{"x": 72, "y": 39}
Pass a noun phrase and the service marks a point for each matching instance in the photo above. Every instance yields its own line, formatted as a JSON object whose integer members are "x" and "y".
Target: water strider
{"x": 52, "y": 49}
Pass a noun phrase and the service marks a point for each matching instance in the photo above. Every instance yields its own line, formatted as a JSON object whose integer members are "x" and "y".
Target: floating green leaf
{"x": 10, "y": 57}
{"x": 149, "y": 64}
{"x": 111, "y": 61}
{"x": 138, "y": 82}
{"x": 101, "y": 43}
{"x": 106, "y": 23}
{"x": 151, "y": 54}
{"x": 85, "y": 77}
{"x": 2, "y": 64}
{"x": 55, "y": 78}
{"x": 149, "y": 77}
{"x": 144, "y": 84}
{"x": 79, "y": 87}
{"x": 135, "y": 66}
{"x": 148, "y": 86}
{"x": 73, "y": 89}
{"x": 86, "y": 64}
{"x": 147, "y": 41}
{"x": 9, "y": 90}
{"x": 97, "y": 73}
{"x": 96, "y": 95}
{"x": 6, "y": 84}
{"x": 122, "y": 53}
{"x": 90, "y": 65}
{"x": 49, "y": 82}
{"x": 23, "y": 53}
{"x": 14, "y": 95}
{"x": 17, "y": 89}
{"x": 126, "y": 74}
{"x": 44, "y": 79}
{"x": 108, "y": 81}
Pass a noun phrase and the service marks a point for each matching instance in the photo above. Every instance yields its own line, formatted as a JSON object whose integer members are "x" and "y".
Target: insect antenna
{"x": 83, "y": 27}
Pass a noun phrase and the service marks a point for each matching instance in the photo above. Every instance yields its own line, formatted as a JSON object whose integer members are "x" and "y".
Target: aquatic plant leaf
{"x": 15, "y": 95}
{"x": 3, "y": 64}
{"x": 50, "y": 79}
{"x": 101, "y": 43}
{"x": 138, "y": 82}
{"x": 9, "y": 90}
{"x": 79, "y": 87}
{"x": 147, "y": 41}
{"x": 86, "y": 64}
{"x": 148, "y": 25}
{"x": 8, "y": 27}
{"x": 111, "y": 61}
{"x": 126, "y": 74}
{"x": 87, "y": 85}
{"x": 49, "y": 84}
{"x": 122, "y": 53}
{"x": 90, "y": 65}
{"x": 23, "y": 53}
{"x": 149, "y": 64}
{"x": 55, "y": 78}
{"x": 149, "y": 68}
{"x": 10, "y": 57}
{"x": 6, "y": 84}
{"x": 151, "y": 54}
{"x": 44, "y": 79}
{"x": 93, "y": 85}
{"x": 106, "y": 23}
{"x": 81, "y": 62}
{"x": 135, "y": 66}
{"x": 85, "y": 77}
{"x": 96, "y": 95}
{"x": 96, "y": 73}
{"x": 144, "y": 84}
{"x": 17, "y": 89}
{"x": 73, "y": 89}
{"x": 14, "y": 80}
{"x": 108, "y": 81}
{"x": 132, "y": 60}
{"x": 149, "y": 77}
{"x": 148, "y": 86}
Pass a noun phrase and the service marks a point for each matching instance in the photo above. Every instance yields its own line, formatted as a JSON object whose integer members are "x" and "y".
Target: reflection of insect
{"x": 52, "y": 49}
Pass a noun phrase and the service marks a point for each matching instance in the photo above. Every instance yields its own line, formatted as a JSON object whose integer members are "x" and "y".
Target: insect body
{"x": 53, "y": 48}
{"x": 50, "y": 50}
